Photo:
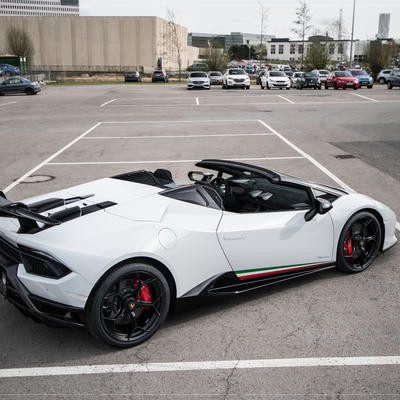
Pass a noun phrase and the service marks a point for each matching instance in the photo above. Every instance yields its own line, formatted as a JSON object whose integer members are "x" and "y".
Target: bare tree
{"x": 216, "y": 58}
{"x": 173, "y": 37}
{"x": 302, "y": 24}
{"x": 264, "y": 11}
{"x": 19, "y": 43}
{"x": 337, "y": 27}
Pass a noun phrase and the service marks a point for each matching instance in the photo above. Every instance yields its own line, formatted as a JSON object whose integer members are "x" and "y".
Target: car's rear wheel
{"x": 129, "y": 306}
{"x": 359, "y": 242}
{"x": 389, "y": 85}
{"x": 382, "y": 80}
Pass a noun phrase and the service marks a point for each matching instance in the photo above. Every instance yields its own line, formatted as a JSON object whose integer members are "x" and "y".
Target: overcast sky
{"x": 225, "y": 16}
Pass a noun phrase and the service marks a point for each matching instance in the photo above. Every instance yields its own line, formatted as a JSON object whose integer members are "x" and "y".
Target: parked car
{"x": 275, "y": 79}
{"x": 235, "y": 78}
{"x": 289, "y": 74}
{"x": 215, "y": 77}
{"x": 394, "y": 79}
{"x": 198, "y": 80}
{"x": 197, "y": 67}
{"x": 19, "y": 85}
{"x": 341, "y": 79}
{"x": 133, "y": 76}
{"x": 259, "y": 75}
{"x": 159, "y": 76}
{"x": 296, "y": 76}
{"x": 364, "y": 79}
{"x": 250, "y": 69}
{"x": 308, "y": 80}
{"x": 114, "y": 255}
{"x": 9, "y": 70}
{"x": 322, "y": 74}
{"x": 383, "y": 76}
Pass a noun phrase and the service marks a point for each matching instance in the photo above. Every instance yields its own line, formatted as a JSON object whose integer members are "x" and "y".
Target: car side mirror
{"x": 199, "y": 176}
{"x": 321, "y": 206}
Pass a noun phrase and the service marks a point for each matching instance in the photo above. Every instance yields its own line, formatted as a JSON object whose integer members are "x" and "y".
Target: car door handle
{"x": 234, "y": 236}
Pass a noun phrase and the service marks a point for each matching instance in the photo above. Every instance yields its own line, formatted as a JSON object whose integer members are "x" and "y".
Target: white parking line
{"x": 108, "y": 102}
{"x": 200, "y": 366}
{"x": 175, "y": 136}
{"x": 10, "y": 102}
{"x": 284, "y": 98}
{"x": 166, "y": 161}
{"x": 201, "y": 121}
{"x": 365, "y": 97}
{"x": 197, "y": 101}
{"x": 47, "y": 160}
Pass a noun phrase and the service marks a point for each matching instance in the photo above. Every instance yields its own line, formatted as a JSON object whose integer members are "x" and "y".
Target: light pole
{"x": 352, "y": 34}
{"x": 248, "y": 44}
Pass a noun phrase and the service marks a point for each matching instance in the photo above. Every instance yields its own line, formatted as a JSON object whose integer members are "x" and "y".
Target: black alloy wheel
{"x": 359, "y": 242}
{"x": 129, "y": 306}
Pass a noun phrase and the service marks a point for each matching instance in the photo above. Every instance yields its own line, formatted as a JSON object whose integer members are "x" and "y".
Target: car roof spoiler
{"x": 234, "y": 167}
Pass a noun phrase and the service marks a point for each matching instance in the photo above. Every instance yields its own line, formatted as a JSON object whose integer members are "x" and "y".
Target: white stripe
{"x": 108, "y": 102}
{"x": 52, "y": 157}
{"x": 6, "y": 104}
{"x": 197, "y": 101}
{"x": 365, "y": 97}
{"x": 284, "y": 98}
{"x": 181, "y": 121}
{"x": 308, "y": 157}
{"x": 277, "y": 269}
{"x": 165, "y": 161}
{"x": 199, "y": 366}
{"x": 176, "y": 136}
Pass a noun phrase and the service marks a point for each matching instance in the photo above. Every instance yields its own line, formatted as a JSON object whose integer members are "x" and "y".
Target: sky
{"x": 225, "y": 16}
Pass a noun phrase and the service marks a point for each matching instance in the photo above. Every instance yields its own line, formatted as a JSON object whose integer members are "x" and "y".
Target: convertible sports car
{"x": 114, "y": 254}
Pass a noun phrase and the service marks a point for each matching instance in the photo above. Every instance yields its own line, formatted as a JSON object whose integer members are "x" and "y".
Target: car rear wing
{"x": 30, "y": 215}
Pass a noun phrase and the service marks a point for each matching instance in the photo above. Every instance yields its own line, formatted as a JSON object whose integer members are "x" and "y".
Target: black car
{"x": 393, "y": 79}
{"x": 18, "y": 85}
{"x": 308, "y": 80}
{"x": 159, "y": 76}
{"x": 133, "y": 76}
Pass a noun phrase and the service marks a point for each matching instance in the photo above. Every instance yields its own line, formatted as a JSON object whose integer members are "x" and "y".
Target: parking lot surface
{"x": 69, "y": 135}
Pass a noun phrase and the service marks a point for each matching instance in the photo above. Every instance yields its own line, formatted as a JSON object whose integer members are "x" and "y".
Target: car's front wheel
{"x": 129, "y": 306}
{"x": 29, "y": 91}
{"x": 359, "y": 242}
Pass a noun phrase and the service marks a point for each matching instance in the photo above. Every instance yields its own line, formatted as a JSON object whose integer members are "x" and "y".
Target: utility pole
{"x": 248, "y": 44}
{"x": 352, "y": 35}
{"x": 340, "y": 25}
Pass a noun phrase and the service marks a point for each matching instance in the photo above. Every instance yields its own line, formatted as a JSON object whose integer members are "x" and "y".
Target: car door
{"x": 264, "y": 243}
{"x": 8, "y": 86}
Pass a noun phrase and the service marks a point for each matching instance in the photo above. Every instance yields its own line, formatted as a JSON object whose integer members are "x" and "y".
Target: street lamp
{"x": 352, "y": 35}
{"x": 248, "y": 44}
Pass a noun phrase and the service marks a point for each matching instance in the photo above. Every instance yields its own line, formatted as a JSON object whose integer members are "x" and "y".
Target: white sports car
{"x": 114, "y": 254}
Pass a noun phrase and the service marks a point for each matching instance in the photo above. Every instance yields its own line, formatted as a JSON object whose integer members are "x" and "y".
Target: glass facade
{"x": 39, "y": 7}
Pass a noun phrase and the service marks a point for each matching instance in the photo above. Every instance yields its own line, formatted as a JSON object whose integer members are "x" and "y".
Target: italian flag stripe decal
{"x": 254, "y": 273}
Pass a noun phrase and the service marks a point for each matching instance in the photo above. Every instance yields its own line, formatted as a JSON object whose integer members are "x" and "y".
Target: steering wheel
{"x": 222, "y": 186}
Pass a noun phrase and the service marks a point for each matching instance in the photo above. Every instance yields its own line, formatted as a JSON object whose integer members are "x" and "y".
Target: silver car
{"x": 383, "y": 76}
{"x": 198, "y": 80}
{"x": 296, "y": 76}
{"x": 215, "y": 77}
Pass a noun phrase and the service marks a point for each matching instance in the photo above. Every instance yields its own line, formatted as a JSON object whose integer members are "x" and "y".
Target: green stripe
{"x": 244, "y": 271}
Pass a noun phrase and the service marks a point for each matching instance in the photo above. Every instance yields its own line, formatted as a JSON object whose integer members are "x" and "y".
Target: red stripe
{"x": 276, "y": 272}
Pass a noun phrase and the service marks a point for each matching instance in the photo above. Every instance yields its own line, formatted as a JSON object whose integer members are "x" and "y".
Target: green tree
{"x": 379, "y": 55}
{"x": 317, "y": 57}
{"x": 19, "y": 43}
{"x": 241, "y": 52}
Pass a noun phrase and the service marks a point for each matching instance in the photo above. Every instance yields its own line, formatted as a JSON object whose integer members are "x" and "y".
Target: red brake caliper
{"x": 348, "y": 245}
{"x": 144, "y": 294}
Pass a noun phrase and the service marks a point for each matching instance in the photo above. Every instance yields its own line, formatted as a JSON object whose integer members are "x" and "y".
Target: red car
{"x": 341, "y": 79}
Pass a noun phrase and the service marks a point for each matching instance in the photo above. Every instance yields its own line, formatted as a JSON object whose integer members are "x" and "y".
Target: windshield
{"x": 198, "y": 75}
{"x": 215, "y": 73}
{"x": 310, "y": 75}
{"x": 344, "y": 74}
{"x": 236, "y": 72}
{"x": 323, "y": 72}
{"x": 359, "y": 72}
{"x": 396, "y": 72}
{"x": 277, "y": 73}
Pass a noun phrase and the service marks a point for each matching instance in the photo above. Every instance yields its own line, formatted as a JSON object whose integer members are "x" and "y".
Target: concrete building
{"x": 383, "y": 27}
{"x": 202, "y": 40}
{"x": 39, "y": 7}
{"x": 101, "y": 43}
{"x": 284, "y": 49}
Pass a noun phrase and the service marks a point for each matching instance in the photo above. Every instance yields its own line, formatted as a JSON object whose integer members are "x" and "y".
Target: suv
{"x": 383, "y": 76}
{"x": 133, "y": 76}
{"x": 8, "y": 69}
{"x": 235, "y": 77}
{"x": 197, "y": 67}
{"x": 393, "y": 79}
{"x": 159, "y": 76}
{"x": 363, "y": 78}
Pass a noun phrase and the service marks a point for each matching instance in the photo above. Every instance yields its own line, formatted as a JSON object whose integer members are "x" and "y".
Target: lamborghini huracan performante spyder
{"x": 114, "y": 254}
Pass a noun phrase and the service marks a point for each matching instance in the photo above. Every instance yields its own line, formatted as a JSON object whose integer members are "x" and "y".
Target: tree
{"x": 380, "y": 54}
{"x": 337, "y": 29}
{"x": 241, "y": 52}
{"x": 317, "y": 56}
{"x": 302, "y": 24}
{"x": 264, "y": 11}
{"x": 173, "y": 38}
{"x": 216, "y": 59}
{"x": 19, "y": 43}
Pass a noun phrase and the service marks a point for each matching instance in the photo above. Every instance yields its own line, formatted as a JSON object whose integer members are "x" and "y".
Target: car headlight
{"x": 356, "y": 80}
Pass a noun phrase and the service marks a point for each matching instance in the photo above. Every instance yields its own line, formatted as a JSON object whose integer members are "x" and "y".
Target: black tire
{"x": 326, "y": 86}
{"x": 261, "y": 85}
{"x": 29, "y": 91}
{"x": 382, "y": 81}
{"x": 268, "y": 88}
{"x": 359, "y": 243}
{"x": 370, "y": 86}
{"x": 335, "y": 86}
{"x": 131, "y": 317}
{"x": 355, "y": 88}
{"x": 389, "y": 85}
